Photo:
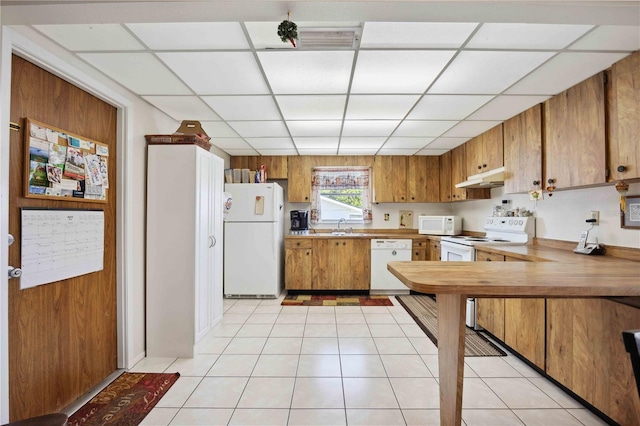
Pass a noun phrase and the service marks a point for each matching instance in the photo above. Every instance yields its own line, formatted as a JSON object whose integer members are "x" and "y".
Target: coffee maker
{"x": 299, "y": 222}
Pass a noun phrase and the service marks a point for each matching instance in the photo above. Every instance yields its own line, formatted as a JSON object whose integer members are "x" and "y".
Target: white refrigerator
{"x": 254, "y": 241}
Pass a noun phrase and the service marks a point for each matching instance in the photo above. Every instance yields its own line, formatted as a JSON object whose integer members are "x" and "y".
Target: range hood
{"x": 489, "y": 179}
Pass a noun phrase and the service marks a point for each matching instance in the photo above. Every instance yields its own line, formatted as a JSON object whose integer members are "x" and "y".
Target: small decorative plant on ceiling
{"x": 288, "y": 31}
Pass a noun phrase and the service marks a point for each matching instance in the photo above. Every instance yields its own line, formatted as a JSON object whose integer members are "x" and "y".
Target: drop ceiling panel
{"x": 423, "y": 128}
{"x": 314, "y": 128}
{"x": 191, "y": 35}
{"x": 270, "y": 143}
{"x": 397, "y": 151}
{"x": 357, "y": 151}
{"x": 91, "y": 37}
{"x": 240, "y": 152}
{"x": 427, "y": 151}
{"x": 504, "y": 107}
{"x": 317, "y": 151}
{"x": 307, "y": 72}
{"x": 610, "y": 37}
{"x": 312, "y": 107}
{"x": 276, "y": 152}
{"x": 182, "y": 107}
{"x": 218, "y": 129}
{"x": 470, "y": 128}
{"x": 487, "y": 72}
{"x": 243, "y": 107}
{"x": 526, "y": 36}
{"x": 259, "y": 129}
{"x": 381, "y": 107}
{"x": 369, "y": 127}
{"x": 217, "y": 73}
{"x": 415, "y": 34}
{"x": 564, "y": 71}
{"x": 447, "y": 107}
{"x": 361, "y": 142}
{"x": 141, "y": 73}
{"x": 446, "y": 143}
{"x": 400, "y": 71}
{"x": 406, "y": 143}
{"x": 316, "y": 143}
{"x": 230, "y": 143}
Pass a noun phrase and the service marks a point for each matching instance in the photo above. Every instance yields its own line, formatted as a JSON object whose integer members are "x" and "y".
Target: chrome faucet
{"x": 342, "y": 220}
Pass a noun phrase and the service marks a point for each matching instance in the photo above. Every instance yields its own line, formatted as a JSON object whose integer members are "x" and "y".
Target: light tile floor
{"x": 266, "y": 364}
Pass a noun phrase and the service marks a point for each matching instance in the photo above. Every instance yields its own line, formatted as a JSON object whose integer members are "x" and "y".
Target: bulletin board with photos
{"x": 64, "y": 166}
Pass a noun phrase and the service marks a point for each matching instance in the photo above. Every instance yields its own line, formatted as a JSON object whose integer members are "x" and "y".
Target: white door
{"x": 204, "y": 244}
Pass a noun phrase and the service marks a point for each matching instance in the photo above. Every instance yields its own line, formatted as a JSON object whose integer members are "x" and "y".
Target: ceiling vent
{"x": 328, "y": 38}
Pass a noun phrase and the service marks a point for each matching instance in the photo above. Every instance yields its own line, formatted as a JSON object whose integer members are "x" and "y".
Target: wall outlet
{"x": 595, "y": 215}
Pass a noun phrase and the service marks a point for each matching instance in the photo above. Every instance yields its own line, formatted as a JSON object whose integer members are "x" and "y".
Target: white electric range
{"x": 499, "y": 231}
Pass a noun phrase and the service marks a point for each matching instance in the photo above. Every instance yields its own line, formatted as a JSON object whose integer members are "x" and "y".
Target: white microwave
{"x": 439, "y": 225}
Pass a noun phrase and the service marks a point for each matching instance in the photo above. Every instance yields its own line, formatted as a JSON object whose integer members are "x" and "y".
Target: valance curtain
{"x": 338, "y": 178}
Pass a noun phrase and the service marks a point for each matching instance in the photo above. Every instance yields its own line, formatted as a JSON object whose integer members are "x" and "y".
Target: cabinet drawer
{"x": 301, "y": 243}
{"x": 420, "y": 244}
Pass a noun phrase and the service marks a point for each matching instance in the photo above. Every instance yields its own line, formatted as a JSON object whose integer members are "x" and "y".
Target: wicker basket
{"x": 177, "y": 139}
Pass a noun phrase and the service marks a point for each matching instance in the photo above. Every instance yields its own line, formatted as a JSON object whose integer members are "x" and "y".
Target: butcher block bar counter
{"x": 453, "y": 282}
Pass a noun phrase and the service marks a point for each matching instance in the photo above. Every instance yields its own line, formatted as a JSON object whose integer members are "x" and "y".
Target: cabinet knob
{"x": 413, "y": 198}
{"x": 621, "y": 169}
{"x": 551, "y": 181}
{"x": 337, "y": 244}
{"x": 536, "y": 182}
{"x": 298, "y": 243}
{"x": 479, "y": 167}
{"x": 484, "y": 166}
{"x": 448, "y": 196}
{"x": 488, "y": 260}
{"x": 402, "y": 198}
{"x": 344, "y": 244}
{"x": 308, "y": 253}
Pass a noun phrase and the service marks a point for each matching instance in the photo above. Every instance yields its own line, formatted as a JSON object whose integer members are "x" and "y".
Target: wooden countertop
{"x": 362, "y": 235}
{"x": 521, "y": 279}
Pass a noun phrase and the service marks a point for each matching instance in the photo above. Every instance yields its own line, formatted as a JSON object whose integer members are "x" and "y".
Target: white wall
{"x": 561, "y": 216}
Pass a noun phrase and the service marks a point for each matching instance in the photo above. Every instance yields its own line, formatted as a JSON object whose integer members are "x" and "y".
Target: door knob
{"x": 14, "y": 272}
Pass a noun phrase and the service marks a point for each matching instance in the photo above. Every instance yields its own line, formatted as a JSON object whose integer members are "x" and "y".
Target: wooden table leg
{"x": 451, "y": 331}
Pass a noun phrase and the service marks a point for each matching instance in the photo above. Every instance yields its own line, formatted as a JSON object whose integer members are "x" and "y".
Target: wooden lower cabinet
{"x": 434, "y": 250}
{"x": 341, "y": 264}
{"x": 585, "y": 353}
{"x": 490, "y": 312}
{"x": 298, "y": 263}
{"x": 419, "y": 249}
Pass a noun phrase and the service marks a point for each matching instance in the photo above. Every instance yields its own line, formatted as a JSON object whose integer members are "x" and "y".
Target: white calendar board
{"x": 60, "y": 244}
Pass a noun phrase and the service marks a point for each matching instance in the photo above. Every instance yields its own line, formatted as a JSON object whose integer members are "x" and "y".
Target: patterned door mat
{"x": 328, "y": 300}
{"x": 424, "y": 311}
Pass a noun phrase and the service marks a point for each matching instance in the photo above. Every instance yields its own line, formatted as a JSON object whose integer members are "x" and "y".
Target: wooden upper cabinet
{"x": 390, "y": 179}
{"x": 423, "y": 179}
{"x": 575, "y": 137}
{"x": 523, "y": 151}
{"x": 484, "y": 152}
{"x": 624, "y": 118}
{"x": 276, "y": 165}
{"x": 458, "y": 174}
{"x": 445, "y": 177}
{"x": 299, "y": 179}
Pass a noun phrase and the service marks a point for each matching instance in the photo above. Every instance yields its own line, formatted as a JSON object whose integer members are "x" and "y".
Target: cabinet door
{"x": 390, "y": 179}
{"x": 277, "y": 166}
{"x": 298, "y": 264}
{"x": 423, "y": 183}
{"x": 624, "y": 113}
{"x": 492, "y": 149}
{"x": 575, "y": 129}
{"x": 419, "y": 249}
{"x": 204, "y": 255}
{"x": 458, "y": 173}
{"x": 585, "y": 352}
{"x": 434, "y": 250}
{"x": 524, "y": 326}
{"x": 358, "y": 255}
{"x": 445, "y": 177}
{"x": 473, "y": 156}
{"x": 523, "y": 151}
{"x": 490, "y": 312}
{"x": 299, "y": 179}
{"x": 251, "y": 162}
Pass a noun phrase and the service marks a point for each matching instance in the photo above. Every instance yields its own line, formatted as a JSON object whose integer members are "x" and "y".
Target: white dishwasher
{"x": 382, "y": 252}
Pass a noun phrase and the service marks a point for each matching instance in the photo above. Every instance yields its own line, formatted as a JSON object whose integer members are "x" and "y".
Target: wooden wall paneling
{"x": 62, "y": 337}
